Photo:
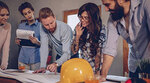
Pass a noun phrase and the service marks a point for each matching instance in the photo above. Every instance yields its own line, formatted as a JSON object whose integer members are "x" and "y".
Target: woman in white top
{"x": 5, "y": 30}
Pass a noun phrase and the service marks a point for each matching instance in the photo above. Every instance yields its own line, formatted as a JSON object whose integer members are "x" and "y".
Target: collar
{"x": 122, "y": 21}
{"x": 36, "y": 23}
{"x": 134, "y": 4}
{"x": 1, "y": 24}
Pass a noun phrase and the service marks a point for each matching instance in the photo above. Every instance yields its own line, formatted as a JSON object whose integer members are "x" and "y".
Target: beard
{"x": 118, "y": 12}
{"x": 52, "y": 30}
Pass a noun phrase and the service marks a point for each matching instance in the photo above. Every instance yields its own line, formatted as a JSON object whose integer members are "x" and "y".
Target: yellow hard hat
{"x": 75, "y": 70}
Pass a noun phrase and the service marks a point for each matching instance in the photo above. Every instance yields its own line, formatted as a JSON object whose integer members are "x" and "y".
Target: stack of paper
{"x": 24, "y": 34}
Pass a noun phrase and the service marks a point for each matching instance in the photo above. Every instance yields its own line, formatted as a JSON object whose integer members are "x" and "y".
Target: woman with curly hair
{"x": 90, "y": 36}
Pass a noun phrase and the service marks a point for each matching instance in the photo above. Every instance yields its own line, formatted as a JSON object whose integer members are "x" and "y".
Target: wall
{"x": 58, "y": 7}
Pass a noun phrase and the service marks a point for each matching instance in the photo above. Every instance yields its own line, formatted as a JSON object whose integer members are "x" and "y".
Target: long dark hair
{"x": 94, "y": 27}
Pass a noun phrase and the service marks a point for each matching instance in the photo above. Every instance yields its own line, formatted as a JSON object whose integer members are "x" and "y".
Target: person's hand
{"x": 52, "y": 67}
{"x": 34, "y": 40}
{"x": 79, "y": 29}
{"x": 3, "y": 67}
{"x": 17, "y": 41}
{"x": 102, "y": 78}
{"x": 41, "y": 70}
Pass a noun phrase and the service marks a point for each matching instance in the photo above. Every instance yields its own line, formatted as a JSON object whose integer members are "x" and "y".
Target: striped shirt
{"x": 138, "y": 37}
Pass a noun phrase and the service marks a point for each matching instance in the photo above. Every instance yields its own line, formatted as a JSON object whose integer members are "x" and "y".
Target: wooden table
{"x": 8, "y": 80}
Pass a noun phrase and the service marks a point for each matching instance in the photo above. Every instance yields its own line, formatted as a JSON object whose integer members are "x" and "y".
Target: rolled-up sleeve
{"x": 112, "y": 39}
{"x": 66, "y": 46}
{"x": 44, "y": 50}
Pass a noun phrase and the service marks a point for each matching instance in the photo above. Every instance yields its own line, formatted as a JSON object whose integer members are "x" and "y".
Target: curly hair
{"x": 94, "y": 26}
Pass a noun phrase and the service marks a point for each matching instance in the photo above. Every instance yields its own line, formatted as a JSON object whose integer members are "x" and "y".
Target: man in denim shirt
{"x": 131, "y": 20}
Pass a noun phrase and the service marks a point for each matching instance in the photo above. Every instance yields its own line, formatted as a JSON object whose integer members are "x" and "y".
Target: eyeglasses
{"x": 4, "y": 15}
{"x": 86, "y": 18}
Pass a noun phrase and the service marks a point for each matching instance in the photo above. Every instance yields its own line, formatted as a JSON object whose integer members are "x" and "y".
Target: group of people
{"x": 97, "y": 43}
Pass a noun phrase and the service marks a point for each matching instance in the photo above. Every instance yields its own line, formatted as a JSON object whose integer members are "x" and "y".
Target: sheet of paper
{"x": 28, "y": 77}
{"x": 117, "y": 78}
{"x": 24, "y": 34}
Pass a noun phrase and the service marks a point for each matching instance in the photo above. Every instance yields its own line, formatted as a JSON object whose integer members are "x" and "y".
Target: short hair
{"x": 3, "y": 5}
{"x": 45, "y": 12}
{"x": 23, "y": 6}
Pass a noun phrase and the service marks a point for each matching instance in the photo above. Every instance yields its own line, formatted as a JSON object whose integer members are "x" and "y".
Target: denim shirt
{"x": 138, "y": 37}
{"x": 30, "y": 55}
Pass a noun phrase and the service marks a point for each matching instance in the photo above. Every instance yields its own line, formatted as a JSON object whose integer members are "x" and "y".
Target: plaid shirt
{"x": 86, "y": 52}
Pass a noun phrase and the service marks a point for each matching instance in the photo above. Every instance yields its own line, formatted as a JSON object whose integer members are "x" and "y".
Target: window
{"x": 71, "y": 18}
{"x": 72, "y": 21}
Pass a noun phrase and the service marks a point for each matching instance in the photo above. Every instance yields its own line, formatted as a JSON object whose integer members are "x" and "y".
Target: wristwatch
{"x": 56, "y": 64}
